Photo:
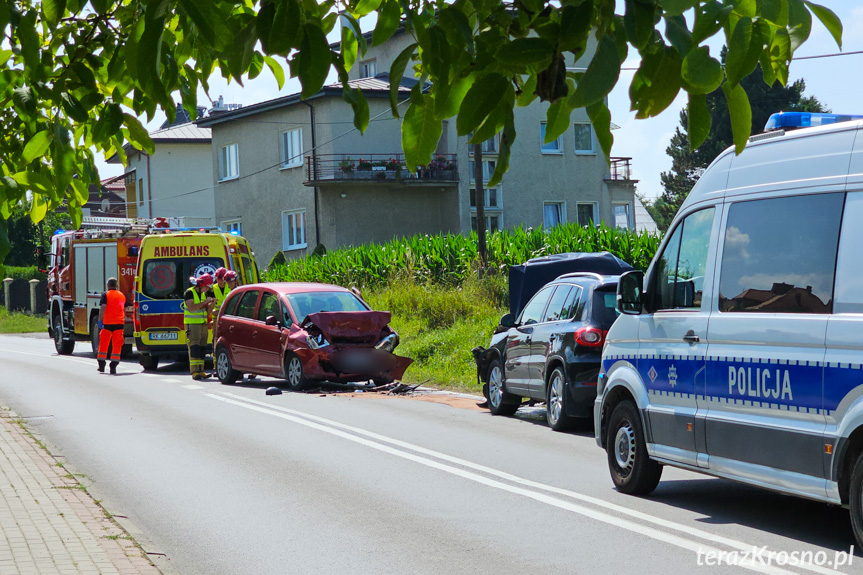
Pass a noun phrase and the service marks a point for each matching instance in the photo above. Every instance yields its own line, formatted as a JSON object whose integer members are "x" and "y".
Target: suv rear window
{"x": 604, "y": 308}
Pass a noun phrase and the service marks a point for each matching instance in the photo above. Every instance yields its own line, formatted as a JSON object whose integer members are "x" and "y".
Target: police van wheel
{"x": 500, "y": 402}
{"x": 856, "y": 500}
{"x": 224, "y": 369}
{"x": 632, "y": 470}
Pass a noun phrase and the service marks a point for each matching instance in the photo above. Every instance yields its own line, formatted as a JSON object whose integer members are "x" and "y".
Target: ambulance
{"x": 166, "y": 261}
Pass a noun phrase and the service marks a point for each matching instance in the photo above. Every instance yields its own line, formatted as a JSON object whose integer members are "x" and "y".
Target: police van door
{"x": 673, "y": 337}
{"x": 765, "y": 418}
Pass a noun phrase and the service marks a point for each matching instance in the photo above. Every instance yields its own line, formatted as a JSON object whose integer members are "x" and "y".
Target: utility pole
{"x": 479, "y": 200}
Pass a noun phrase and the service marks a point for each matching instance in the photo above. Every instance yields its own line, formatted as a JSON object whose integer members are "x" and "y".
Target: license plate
{"x": 163, "y": 336}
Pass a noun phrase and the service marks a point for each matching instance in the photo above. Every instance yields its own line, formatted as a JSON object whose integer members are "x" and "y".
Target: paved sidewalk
{"x": 48, "y": 523}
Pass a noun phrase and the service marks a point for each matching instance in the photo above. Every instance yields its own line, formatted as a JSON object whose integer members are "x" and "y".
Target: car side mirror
{"x": 630, "y": 290}
{"x": 507, "y": 321}
{"x": 271, "y": 320}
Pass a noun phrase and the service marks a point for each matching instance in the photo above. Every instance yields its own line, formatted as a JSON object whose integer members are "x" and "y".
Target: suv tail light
{"x": 590, "y": 336}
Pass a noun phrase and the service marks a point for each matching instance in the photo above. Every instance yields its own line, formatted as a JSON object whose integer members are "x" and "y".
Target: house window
{"x": 233, "y": 226}
{"x": 622, "y": 215}
{"x": 141, "y": 192}
{"x": 493, "y": 208}
{"x": 368, "y": 69}
{"x": 229, "y": 162}
{"x": 553, "y": 214}
{"x": 587, "y": 215}
{"x": 488, "y": 167}
{"x": 488, "y": 147}
{"x": 292, "y": 148}
{"x": 553, "y": 147}
{"x": 584, "y": 139}
{"x": 293, "y": 230}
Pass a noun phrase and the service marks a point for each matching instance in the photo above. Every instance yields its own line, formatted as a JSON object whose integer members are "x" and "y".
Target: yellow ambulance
{"x": 166, "y": 261}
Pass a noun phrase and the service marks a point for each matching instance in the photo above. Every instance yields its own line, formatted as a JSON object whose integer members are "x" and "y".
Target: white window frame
{"x": 488, "y": 228}
{"x": 224, "y": 162}
{"x": 595, "y": 208}
{"x": 561, "y": 212}
{"x": 292, "y": 158}
{"x": 490, "y": 211}
{"x": 286, "y": 244}
{"x": 488, "y": 168}
{"x": 629, "y": 214}
{"x": 559, "y": 141}
{"x": 232, "y": 224}
{"x": 364, "y": 64}
{"x": 592, "y": 150}
{"x": 485, "y": 151}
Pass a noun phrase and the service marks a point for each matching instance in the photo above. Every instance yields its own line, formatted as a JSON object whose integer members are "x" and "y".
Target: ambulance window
{"x": 679, "y": 273}
{"x": 780, "y": 254}
{"x": 247, "y": 304}
{"x": 160, "y": 279}
{"x": 248, "y": 270}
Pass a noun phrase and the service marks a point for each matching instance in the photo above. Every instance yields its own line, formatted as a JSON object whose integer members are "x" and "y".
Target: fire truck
{"x": 81, "y": 262}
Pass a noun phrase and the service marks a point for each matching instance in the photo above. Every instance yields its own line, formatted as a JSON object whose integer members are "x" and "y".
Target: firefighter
{"x": 198, "y": 303}
{"x": 231, "y": 279}
{"x": 221, "y": 287}
{"x": 112, "y": 316}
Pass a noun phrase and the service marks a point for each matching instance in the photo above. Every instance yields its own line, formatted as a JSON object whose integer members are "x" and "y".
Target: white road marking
{"x": 58, "y": 356}
{"x": 305, "y": 419}
{"x": 719, "y": 539}
{"x": 190, "y": 386}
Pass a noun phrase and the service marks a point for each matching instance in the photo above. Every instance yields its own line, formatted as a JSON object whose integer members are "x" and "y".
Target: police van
{"x": 739, "y": 353}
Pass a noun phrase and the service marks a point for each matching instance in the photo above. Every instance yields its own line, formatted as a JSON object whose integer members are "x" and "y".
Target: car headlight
{"x": 317, "y": 341}
{"x": 388, "y": 343}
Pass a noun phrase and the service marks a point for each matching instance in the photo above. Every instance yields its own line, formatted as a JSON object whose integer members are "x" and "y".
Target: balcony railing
{"x": 621, "y": 169}
{"x": 383, "y": 168}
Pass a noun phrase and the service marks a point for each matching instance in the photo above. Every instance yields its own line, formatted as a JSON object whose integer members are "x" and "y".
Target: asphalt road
{"x": 227, "y": 480}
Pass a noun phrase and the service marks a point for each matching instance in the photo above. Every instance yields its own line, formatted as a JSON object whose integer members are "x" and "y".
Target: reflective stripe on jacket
{"x": 199, "y": 316}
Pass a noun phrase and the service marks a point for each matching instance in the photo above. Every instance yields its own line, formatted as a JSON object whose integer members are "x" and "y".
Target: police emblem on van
{"x": 652, "y": 374}
{"x": 672, "y": 376}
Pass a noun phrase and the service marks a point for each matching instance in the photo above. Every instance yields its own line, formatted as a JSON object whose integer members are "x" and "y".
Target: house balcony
{"x": 377, "y": 169}
{"x": 620, "y": 171}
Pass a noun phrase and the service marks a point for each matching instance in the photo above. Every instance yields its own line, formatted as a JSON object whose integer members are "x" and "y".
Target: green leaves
{"x": 829, "y": 19}
{"x": 701, "y": 73}
{"x": 397, "y": 70}
{"x": 53, "y": 10}
{"x": 482, "y": 98}
{"x": 388, "y": 22}
{"x": 601, "y": 75}
{"x": 276, "y": 69}
{"x": 313, "y": 59}
{"x": 421, "y": 132}
{"x": 526, "y": 54}
{"x": 37, "y": 146}
{"x": 743, "y": 51}
{"x": 699, "y": 120}
{"x": 278, "y": 25}
{"x": 656, "y": 83}
{"x": 741, "y": 115}
{"x": 138, "y": 135}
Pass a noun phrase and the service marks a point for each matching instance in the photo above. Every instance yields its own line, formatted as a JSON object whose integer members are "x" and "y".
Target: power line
{"x": 795, "y": 59}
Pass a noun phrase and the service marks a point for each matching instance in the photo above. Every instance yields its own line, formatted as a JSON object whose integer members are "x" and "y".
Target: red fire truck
{"x": 81, "y": 263}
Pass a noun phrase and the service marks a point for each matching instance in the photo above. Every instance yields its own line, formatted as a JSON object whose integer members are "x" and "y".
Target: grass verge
{"x": 20, "y": 322}
{"x": 439, "y": 325}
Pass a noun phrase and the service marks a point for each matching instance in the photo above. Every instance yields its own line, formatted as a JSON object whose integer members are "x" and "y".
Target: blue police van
{"x": 739, "y": 353}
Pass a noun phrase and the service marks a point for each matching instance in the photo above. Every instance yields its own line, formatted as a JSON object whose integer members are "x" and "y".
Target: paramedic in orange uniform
{"x": 112, "y": 316}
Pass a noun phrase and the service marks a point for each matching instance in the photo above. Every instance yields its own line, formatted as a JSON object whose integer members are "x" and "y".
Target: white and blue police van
{"x": 739, "y": 353}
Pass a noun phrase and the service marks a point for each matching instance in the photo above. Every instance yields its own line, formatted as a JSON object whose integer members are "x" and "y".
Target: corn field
{"x": 449, "y": 259}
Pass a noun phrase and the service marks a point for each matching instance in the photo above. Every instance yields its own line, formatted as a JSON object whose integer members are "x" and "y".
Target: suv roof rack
{"x": 594, "y": 275}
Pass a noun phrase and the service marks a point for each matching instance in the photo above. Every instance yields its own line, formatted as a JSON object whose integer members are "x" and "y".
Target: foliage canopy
{"x": 76, "y": 75}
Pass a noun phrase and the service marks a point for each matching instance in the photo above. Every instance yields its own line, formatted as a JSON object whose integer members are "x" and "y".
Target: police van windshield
{"x": 168, "y": 278}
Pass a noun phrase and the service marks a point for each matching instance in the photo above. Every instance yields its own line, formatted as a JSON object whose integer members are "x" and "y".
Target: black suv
{"x": 552, "y": 351}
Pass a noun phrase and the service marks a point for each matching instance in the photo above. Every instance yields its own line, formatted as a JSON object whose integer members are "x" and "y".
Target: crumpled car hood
{"x": 354, "y": 325}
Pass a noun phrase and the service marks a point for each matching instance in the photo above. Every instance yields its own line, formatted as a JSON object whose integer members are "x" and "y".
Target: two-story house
{"x": 177, "y": 179}
{"x": 295, "y": 173}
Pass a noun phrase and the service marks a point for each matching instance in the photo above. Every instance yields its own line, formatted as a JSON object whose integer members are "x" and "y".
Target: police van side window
{"x": 679, "y": 272}
{"x": 779, "y": 255}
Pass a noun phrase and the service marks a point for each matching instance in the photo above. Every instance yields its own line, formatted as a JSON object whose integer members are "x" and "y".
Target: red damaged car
{"x": 304, "y": 332}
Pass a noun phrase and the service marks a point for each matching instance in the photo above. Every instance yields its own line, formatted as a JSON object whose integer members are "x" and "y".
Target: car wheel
{"x": 555, "y": 412}
{"x": 224, "y": 369}
{"x": 148, "y": 362}
{"x": 61, "y": 344}
{"x": 500, "y": 402}
{"x": 294, "y": 375}
{"x": 632, "y": 470}
{"x": 856, "y": 500}
{"x": 94, "y": 335}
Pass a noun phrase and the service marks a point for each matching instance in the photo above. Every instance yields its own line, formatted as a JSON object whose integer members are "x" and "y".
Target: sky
{"x": 835, "y": 81}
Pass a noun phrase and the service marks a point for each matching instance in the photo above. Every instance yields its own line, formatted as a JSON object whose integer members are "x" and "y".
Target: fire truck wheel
{"x": 94, "y": 335}
{"x": 61, "y": 344}
{"x": 148, "y": 362}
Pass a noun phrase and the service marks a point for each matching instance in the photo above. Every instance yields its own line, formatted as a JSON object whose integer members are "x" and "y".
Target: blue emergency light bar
{"x": 793, "y": 120}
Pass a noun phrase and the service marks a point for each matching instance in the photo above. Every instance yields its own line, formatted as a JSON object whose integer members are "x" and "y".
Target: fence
{"x": 20, "y": 295}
